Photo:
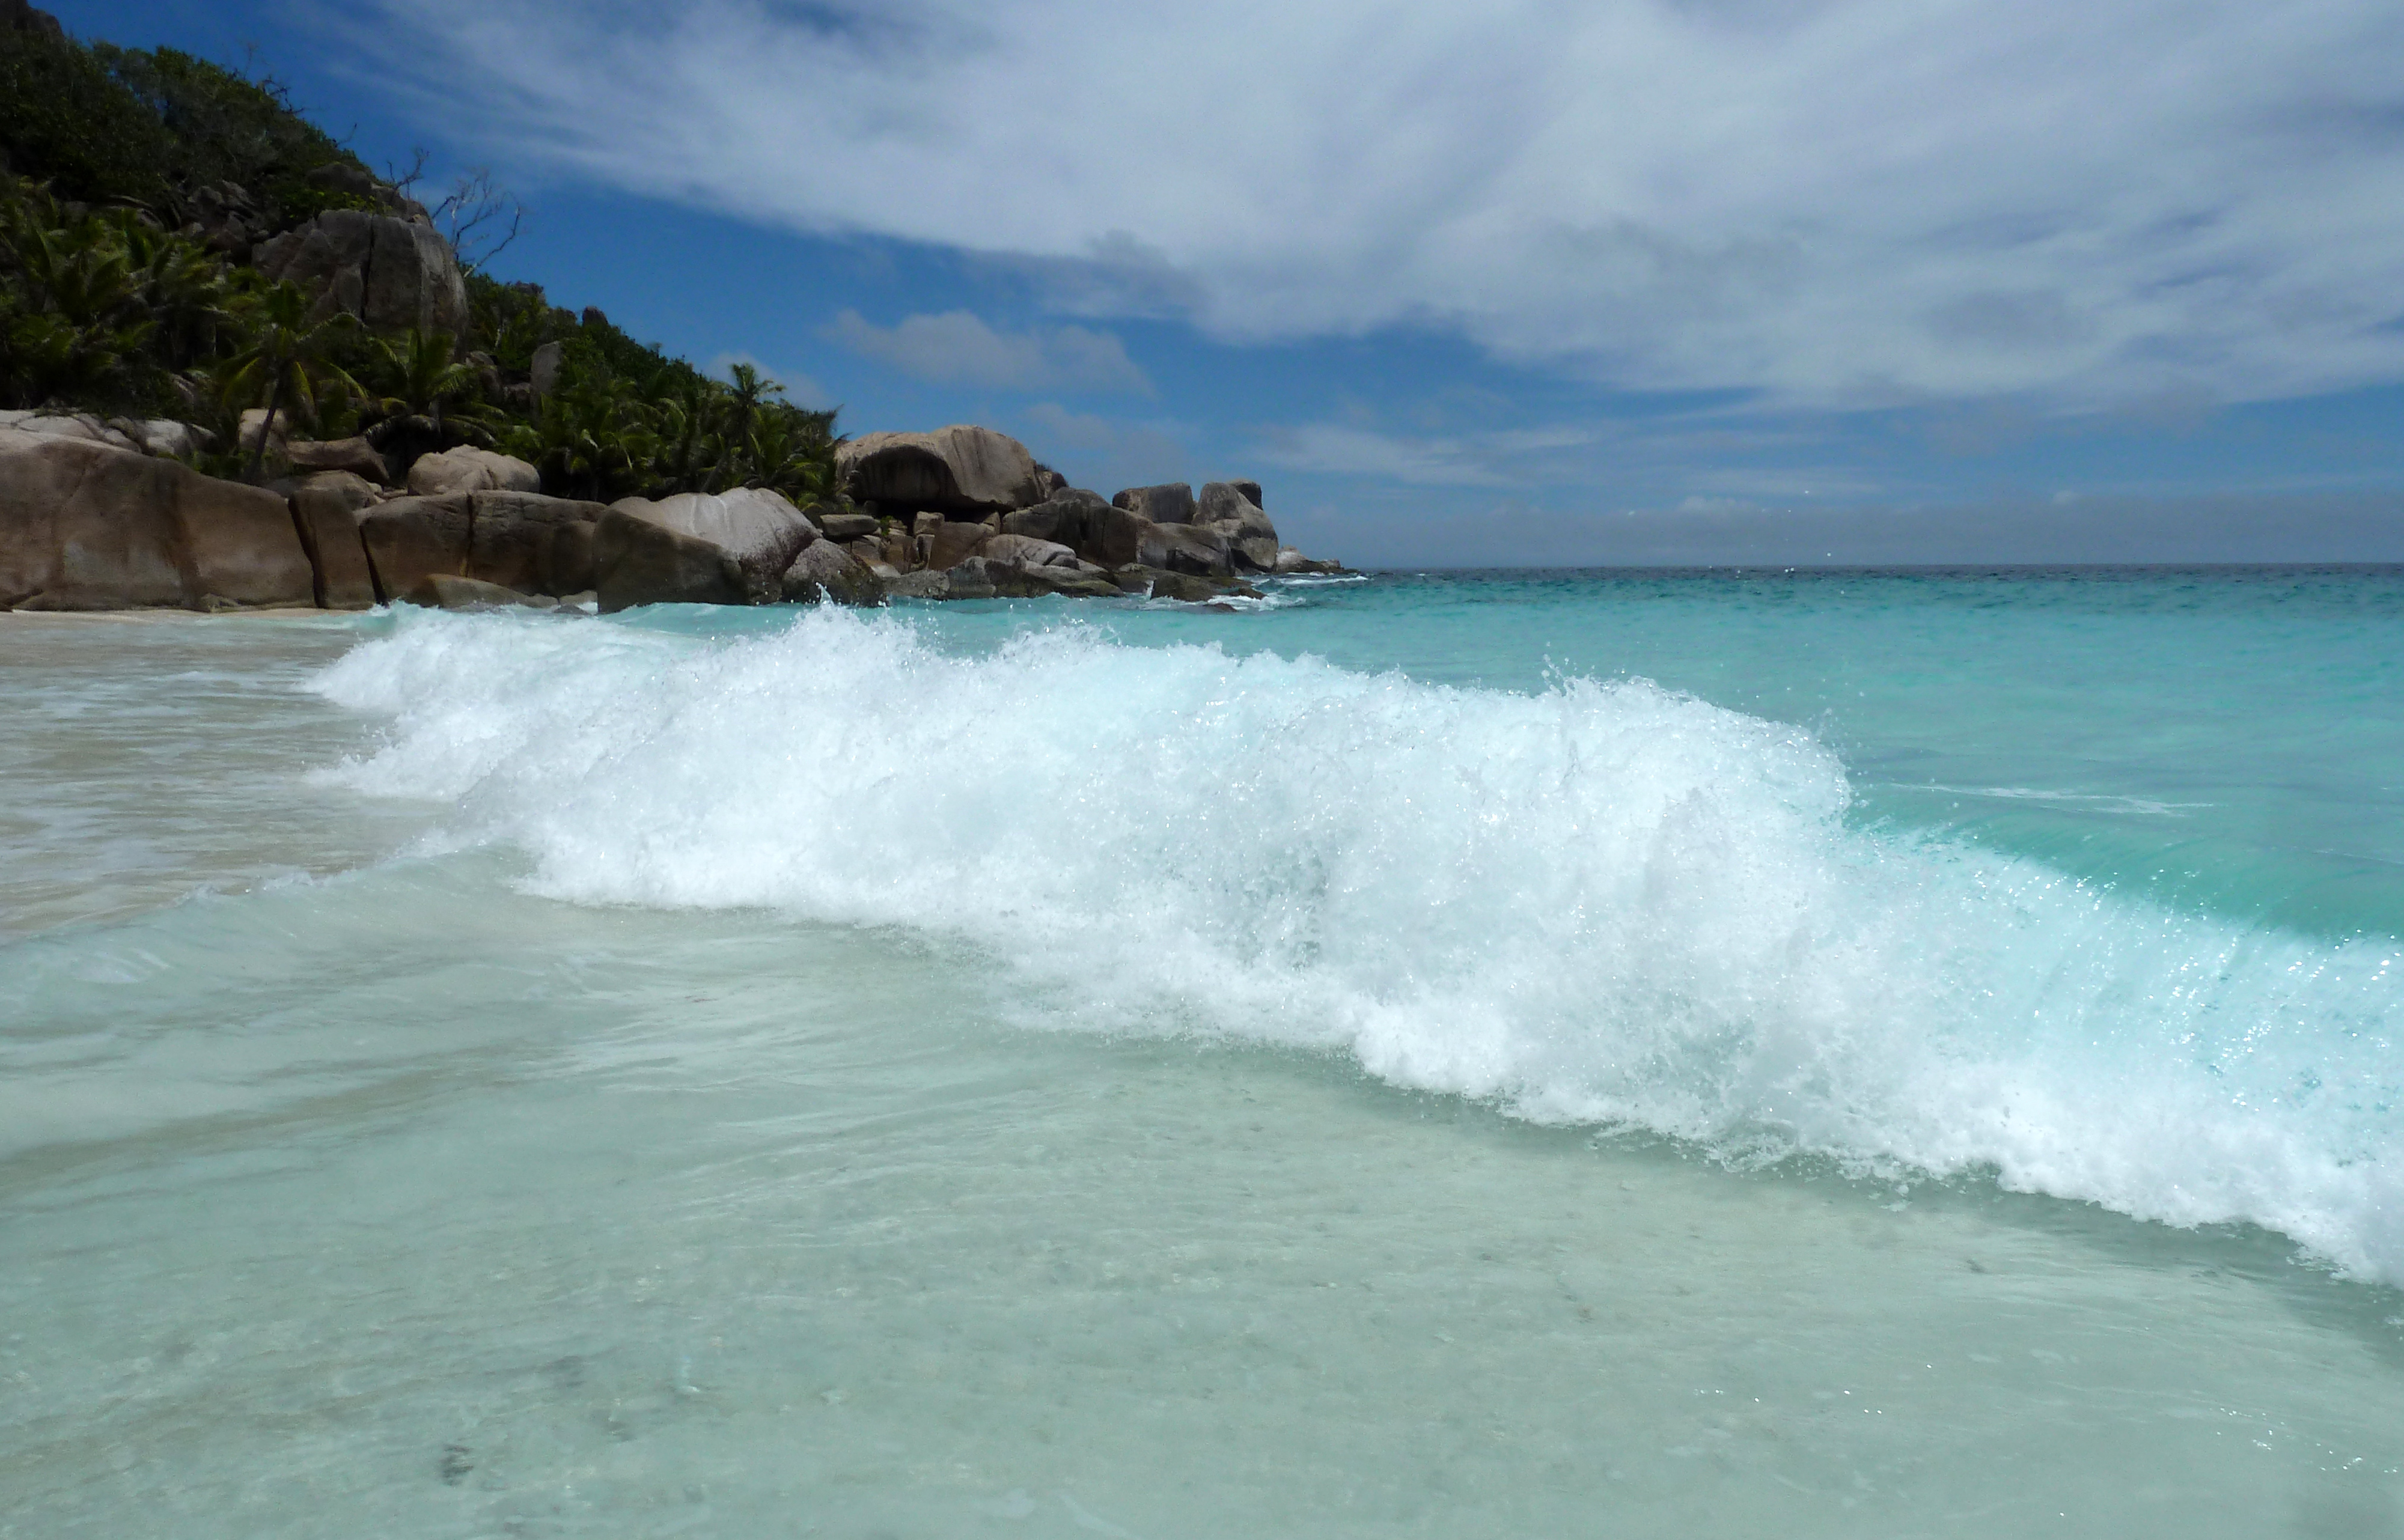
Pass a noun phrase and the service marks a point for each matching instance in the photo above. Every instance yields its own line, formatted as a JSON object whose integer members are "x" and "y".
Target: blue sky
{"x": 1628, "y": 281}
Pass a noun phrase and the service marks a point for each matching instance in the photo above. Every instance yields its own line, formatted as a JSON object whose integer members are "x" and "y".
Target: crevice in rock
{"x": 367, "y": 275}
{"x": 308, "y": 550}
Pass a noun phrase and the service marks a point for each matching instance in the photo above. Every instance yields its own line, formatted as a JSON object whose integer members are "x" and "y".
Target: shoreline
{"x": 90, "y": 523}
{"x": 167, "y": 612}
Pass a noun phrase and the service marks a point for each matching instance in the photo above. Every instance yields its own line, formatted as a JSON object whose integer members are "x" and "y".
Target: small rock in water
{"x": 439, "y": 590}
{"x": 826, "y": 568}
{"x": 1184, "y": 587}
{"x": 920, "y": 584}
{"x": 970, "y": 579}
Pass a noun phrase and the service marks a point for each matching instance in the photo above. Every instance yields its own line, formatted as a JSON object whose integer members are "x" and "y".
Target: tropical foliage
{"x": 288, "y": 369}
{"x": 602, "y": 434}
{"x": 98, "y": 308}
{"x": 141, "y": 183}
{"x": 160, "y": 130}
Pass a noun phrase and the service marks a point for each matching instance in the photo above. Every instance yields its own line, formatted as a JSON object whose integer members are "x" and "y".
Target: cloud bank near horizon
{"x": 1836, "y": 205}
{"x": 959, "y": 347}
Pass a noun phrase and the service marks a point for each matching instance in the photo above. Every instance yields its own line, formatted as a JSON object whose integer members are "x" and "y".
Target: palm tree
{"x": 739, "y": 406}
{"x": 792, "y": 450}
{"x": 683, "y": 411}
{"x": 48, "y": 360}
{"x": 289, "y": 357}
{"x": 186, "y": 291}
{"x": 423, "y": 381}
{"x": 591, "y": 438}
{"x": 72, "y": 325}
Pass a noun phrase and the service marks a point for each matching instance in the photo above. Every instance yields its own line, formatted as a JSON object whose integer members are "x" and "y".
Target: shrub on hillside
{"x": 128, "y": 287}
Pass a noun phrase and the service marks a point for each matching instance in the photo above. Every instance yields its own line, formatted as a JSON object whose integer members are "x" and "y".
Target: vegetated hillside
{"x": 137, "y": 192}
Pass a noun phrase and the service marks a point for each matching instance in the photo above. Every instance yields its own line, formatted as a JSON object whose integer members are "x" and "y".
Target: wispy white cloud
{"x": 1717, "y": 458}
{"x": 1841, "y": 203}
{"x": 1105, "y": 454}
{"x": 1340, "y": 449}
{"x": 958, "y": 347}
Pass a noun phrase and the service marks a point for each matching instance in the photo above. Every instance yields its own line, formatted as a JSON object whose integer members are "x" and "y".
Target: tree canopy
{"x": 132, "y": 182}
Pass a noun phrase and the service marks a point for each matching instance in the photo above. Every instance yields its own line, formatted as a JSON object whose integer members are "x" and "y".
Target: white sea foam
{"x": 2142, "y": 806}
{"x": 1604, "y": 903}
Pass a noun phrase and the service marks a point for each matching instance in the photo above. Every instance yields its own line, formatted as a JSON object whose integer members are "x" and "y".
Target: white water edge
{"x": 1604, "y": 903}
{"x": 509, "y": 1137}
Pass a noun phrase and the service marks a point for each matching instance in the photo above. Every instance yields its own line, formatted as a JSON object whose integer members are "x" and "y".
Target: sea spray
{"x": 1604, "y": 902}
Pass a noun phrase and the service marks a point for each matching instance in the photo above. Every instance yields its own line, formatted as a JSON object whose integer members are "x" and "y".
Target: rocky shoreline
{"x": 100, "y": 516}
{"x": 238, "y": 277}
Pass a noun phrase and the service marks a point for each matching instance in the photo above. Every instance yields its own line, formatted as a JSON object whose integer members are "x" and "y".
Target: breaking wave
{"x": 1606, "y": 903}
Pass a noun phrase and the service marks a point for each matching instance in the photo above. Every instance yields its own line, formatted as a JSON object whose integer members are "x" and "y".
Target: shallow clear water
{"x": 1369, "y": 1066}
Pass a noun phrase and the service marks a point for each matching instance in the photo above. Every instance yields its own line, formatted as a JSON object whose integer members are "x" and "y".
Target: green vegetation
{"x": 138, "y": 185}
{"x": 603, "y": 434}
{"x": 161, "y": 131}
{"x": 288, "y": 366}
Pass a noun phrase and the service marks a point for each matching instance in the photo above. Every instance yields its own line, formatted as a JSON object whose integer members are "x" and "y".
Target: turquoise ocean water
{"x": 1864, "y": 1053}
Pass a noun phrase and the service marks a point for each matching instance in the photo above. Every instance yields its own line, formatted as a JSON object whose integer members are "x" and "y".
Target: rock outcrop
{"x": 1185, "y": 548}
{"x": 531, "y": 543}
{"x": 391, "y": 272}
{"x": 355, "y": 493}
{"x": 1064, "y": 517}
{"x": 165, "y": 435}
{"x": 835, "y": 525}
{"x": 94, "y": 515}
{"x": 958, "y": 470}
{"x": 549, "y": 360}
{"x": 825, "y": 570}
{"x": 515, "y": 539}
{"x": 1024, "y": 550}
{"x": 1252, "y": 539}
{"x": 327, "y": 514}
{"x": 439, "y": 591}
{"x": 759, "y": 530}
{"x": 21, "y": 15}
{"x": 637, "y": 562}
{"x": 1115, "y": 536}
{"x": 88, "y": 526}
{"x": 227, "y": 219}
{"x": 409, "y": 537}
{"x": 920, "y": 585}
{"x": 355, "y": 455}
{"x": 1069, "y": 582}
{"x": 1170, "y": 502}
{"x": 24, "y": 429}
{"x": 735, "y": 545}
{"x": 954, "y": 542}
{"x": 255, "y": 431}
{"x": 1185, "y": 588}
{"x": 468, "y": 468}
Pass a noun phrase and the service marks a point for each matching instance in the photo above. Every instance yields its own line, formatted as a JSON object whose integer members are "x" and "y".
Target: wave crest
{"x": 1605, "y": 903}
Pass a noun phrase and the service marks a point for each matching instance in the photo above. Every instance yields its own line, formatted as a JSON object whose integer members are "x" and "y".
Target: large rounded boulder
{"x": 468, "y": 468}
{"x": 515, "y": 539}
{"x": 1232, "y": 509}
{"x": 87, "y": 526}
{"x": 962, "y": 471}
{"x": 391, "y": 273}
{"x": 1169, "y": 503}
{"x": 729, "y": 548}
